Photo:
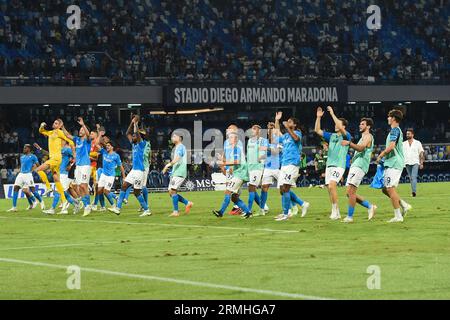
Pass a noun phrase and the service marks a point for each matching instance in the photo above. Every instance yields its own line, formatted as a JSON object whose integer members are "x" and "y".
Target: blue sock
{"x": 182, "y": 200}
{"x": 295, "y": 199}
{"x": 366, "y": 204}
{"x": 257, "y": 199}
{"x": 225, "y": 203}
{"x": 121, "y": 197}
{"x": 86, "y": 200}
{"x": 68, "y": 197}
{"x": 110, "y": 197}
{"x": 251, "y": 199}
{"x": 263, "y": 199}
{"x": 351, "y": 211}
{"x": 101, "y": 198}
{"x": 96, "y": 199}
{"x": 286, "y": 202}
{"x": 30, "y": 202}
{"x": 55, "y": 200}
{"x": 142, "y": 202}
{"x": 31, "y": 199}
{"x": 15, "y": 197}
{"x": 175, "y": 202}
{"x": 145, "y": 194}
{"x": 242, "y": 205}
{"x": 37, "y": 195}
{"x": 127, "y": 193}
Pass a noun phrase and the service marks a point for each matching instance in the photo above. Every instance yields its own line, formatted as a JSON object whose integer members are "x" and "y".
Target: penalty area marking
{"x": 170, "y": 280}
{"x": 154, "y": 224}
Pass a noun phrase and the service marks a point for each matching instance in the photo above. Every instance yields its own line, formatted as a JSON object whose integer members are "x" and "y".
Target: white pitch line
{"x": 95, "y": 243}
{"x": 155, "y": 224}
{"x": 171, "y": 280}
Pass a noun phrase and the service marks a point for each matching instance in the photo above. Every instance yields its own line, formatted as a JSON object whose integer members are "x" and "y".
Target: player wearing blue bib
{"x": 178, "y": 175}
{"x": 290, "y": 165}
{"x": 235, "y": 161}
{"x": 228, "y": 170}
{"x": 135, "y": 177}
{"x": 25, "y": 181}
{"x": 256, "y": 153}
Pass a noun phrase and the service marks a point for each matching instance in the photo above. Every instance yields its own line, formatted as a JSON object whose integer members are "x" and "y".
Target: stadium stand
{"x": 215, "y": 40}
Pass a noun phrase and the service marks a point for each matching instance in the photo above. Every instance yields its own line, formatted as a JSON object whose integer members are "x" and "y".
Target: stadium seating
{"x": 131, "y": 41}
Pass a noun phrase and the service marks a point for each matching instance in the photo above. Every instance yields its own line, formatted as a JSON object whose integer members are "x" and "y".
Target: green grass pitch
{"x": 201, "y": 257}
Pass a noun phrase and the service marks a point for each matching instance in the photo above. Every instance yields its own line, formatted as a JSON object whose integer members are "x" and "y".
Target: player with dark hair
{"x": 394, "y": 162}
{"x": 337, "y": 153}
{"x": 359, "y": 168}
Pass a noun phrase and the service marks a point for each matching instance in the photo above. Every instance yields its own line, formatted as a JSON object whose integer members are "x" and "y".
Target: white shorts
{"x": 175, "y": 183}
{"x": 255, "y": 177}
{"x": 106, "y": 182}
{"x": 65, "y": 181}
{"x": 355, "y": 176}
{"x": 24, "y": 180}
{"x": 135, "y": 178}
{"x": 82, "y": 174}
{"x": 288, "y": 175}
{"x": 392, "y": 177}
{"x": 333, "y": 174}
{"x": 269, "y": 176}
{"x": 234, "y": 185}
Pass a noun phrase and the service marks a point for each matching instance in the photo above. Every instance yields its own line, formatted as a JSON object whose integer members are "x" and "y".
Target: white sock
{"x": 335, "y": 208}
{"x": 403, "y": 203}
{"x": 398, "y": 214}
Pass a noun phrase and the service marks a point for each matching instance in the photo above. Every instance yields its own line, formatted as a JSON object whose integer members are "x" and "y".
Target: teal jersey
{"x": 254, "y": 153}
{"x": 395, "y": 159}
{"x": 240, "y": 170}
{"x": 147, "y": 154}
{"x": 180, "y": 168}
{"x": 362, "y": 159}
{"x": 337, "y": 153}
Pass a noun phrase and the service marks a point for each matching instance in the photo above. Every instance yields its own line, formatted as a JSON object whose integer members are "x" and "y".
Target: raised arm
{"x": 66, "y": 133}
{"x": 83, "y": 126}
{"x": 319, "y": 115}
{"x": 43, "y": 131}
{"x": 338, "y": 122}
{"x": 136, "y": 129}
{"x": 130, "y": 129}
{"x": 278, "y": 117}
{"x": 62, "y": 136}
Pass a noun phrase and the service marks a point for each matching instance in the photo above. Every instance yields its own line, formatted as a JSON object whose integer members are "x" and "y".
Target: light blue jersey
{"x": 27, "y": 161}
{"x": 67, "y": 154}
{"x": 229, "y": 151}
{"x": 138, "y": 155}
{"x": 273, "y": 159}
{"x": 291, "y": 149}
{"x": 110, "y": 162}
{"x": 83, "y": 148}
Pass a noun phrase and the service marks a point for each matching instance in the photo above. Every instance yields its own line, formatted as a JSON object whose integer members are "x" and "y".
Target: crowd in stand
{"x": 235, "y": 40}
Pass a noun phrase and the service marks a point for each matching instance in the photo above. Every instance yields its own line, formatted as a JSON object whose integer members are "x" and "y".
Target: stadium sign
{"x": 199, "y": 185}
{"x": 183, "y": 95}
